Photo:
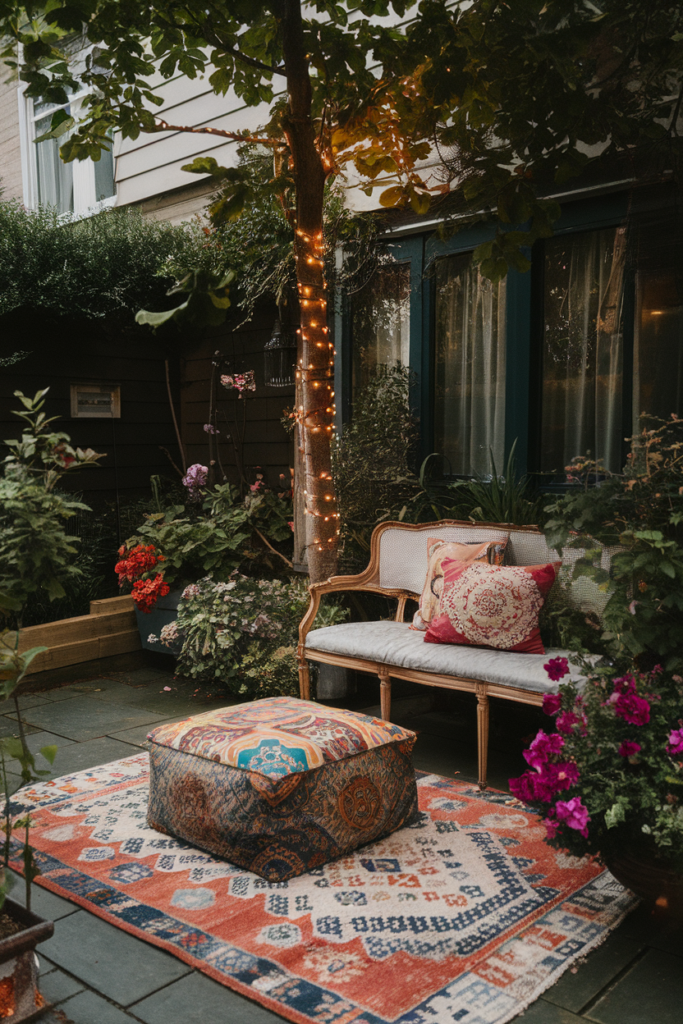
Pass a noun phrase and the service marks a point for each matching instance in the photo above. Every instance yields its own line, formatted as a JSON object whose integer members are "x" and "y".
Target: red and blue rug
{"x": 466, "y": 915}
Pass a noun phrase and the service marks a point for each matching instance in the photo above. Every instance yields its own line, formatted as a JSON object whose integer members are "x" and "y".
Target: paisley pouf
{"x": 281, "y": 786}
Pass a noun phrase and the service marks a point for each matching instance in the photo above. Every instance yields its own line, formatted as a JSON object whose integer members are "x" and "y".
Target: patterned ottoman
{"x": 281, "y": 786}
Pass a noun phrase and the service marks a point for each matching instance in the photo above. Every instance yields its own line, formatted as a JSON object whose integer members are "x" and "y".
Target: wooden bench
{"x": 391, "y": 650}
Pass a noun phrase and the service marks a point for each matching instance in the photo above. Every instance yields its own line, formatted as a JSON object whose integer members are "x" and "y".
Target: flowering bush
{"x": 243, "y": 633}
{"x": 610, "y": 777}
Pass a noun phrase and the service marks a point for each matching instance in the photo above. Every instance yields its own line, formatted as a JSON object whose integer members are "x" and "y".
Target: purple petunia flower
{"x": 542, "y": 748}
{"x": 633, "y": 709}
{"x": 557, "y": 668}
{"x": 573, "y": 814}
{"x": 629, "y": 748}
{"x": 552, "y": 702}
{"x": 675, "y": 744}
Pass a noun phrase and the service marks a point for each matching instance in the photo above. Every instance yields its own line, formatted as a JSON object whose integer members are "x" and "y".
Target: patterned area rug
{"x": 465, "y": 915}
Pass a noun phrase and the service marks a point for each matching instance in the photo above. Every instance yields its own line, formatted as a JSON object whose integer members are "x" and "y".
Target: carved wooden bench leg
{"x": 384, "y": 693}
{"x": 482, "y": 732}
{"x": 304, "y": 676}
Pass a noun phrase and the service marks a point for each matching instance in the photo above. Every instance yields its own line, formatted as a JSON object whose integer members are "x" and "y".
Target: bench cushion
{"x": 281, "y": 786}
{"x": 396, "y": 644}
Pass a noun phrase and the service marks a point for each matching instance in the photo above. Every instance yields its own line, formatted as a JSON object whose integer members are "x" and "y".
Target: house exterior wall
{"x": 11, "y": 181}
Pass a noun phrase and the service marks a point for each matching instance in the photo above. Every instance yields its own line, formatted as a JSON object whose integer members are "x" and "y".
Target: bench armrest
{"x": 342, "y": 583}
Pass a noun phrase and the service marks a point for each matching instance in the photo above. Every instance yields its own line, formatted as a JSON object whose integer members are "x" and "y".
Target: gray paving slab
{"x": 90, "y": 1008}
{"x": 110, "y": 960}
{"x": 651, "y": 991}
{"x": 43, "y": 902}
{"x": 138, "y": 735}
{"x": 542, "y": 1012}
{"x": 56, "y": 986}
{"x": 196, "y": 999}
{"x": 83, "y": 718}
{"x": 76, "y": 757}
{"x": 574, "y": 991}
{"x": 8, "y": 726}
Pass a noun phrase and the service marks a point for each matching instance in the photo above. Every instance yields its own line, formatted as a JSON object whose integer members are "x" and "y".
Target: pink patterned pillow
{"x": 492, "y": 551}
{"x": 492, "y": 606}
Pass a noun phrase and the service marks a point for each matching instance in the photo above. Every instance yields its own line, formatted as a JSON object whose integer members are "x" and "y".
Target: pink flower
{"x": 196, "y": 476}
{"x": 629, "y": 749}
{"x": 524, "y": 787}
{"x": 290, "y": 524}
{"x": 566, "y": 721}
{"x": 557, "y": 668}
{"x": 574, "y": 814}
{"x": 552, "y": 702}
{"x": 542, "y": 748}
{"x": 210, "y": 429}
{"x": 551, "y": 827}
{"x": 675, "y": 745}
{"x": 633, "y": 709}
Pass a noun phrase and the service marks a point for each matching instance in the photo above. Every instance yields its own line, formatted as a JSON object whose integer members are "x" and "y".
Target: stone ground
{"x": 95, "y": 973}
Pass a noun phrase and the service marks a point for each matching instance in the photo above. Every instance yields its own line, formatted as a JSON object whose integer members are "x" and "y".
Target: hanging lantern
{"x": 280, "y": 357}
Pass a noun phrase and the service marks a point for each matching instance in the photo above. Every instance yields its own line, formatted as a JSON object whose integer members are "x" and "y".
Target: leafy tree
{"x": 534, "y": 97}
{"x": 256, "y": 49}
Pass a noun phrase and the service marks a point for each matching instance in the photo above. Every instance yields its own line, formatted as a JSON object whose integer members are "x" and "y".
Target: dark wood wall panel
{"x": 267, "y": 447}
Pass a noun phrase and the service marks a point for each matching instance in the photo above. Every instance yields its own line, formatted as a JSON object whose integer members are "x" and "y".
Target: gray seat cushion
{"x": 394, "y": 643}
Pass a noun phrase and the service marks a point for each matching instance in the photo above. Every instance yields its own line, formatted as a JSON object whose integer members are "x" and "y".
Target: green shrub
{"x": 242, "y": 634}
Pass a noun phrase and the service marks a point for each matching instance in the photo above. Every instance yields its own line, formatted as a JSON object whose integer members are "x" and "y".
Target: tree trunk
{"x": 316, "y": 352}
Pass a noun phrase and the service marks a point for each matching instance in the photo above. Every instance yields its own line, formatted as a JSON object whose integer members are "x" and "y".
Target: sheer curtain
{"x": 583, "y": 349}
{"x": 55, "y": 178}
{"x": 381, "y": 324}
{"x": 469, "y": 406}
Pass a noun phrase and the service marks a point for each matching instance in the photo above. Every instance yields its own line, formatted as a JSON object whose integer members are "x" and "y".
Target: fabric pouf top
{"x": 278, "y": 736}
{"x": 281, "y": 786}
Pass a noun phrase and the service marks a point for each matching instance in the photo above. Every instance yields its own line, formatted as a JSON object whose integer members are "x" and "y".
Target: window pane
{"x": 658, "y": 355}
{"x": 55, "y": 178}
{"x": 104, "y": 174}
{"x": 582, "y": 352}
{"x": 381, "y": 324}
{"x": 469, "y": 399}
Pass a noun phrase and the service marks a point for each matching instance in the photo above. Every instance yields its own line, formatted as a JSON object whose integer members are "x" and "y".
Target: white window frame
{"x": 84, "y": 202}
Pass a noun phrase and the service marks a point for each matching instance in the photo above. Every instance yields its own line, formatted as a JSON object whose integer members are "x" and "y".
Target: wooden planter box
{"x": 19, "y": 968}
{"x": 110, "y": 628}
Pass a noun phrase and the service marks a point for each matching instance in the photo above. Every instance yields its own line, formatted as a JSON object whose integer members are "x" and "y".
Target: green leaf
{"x": 49, "y": 753}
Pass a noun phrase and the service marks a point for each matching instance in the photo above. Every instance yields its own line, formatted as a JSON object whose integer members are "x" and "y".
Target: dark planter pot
{"x": 655, "y": 881}
{"x": 150, "y": 623}
{"x": 18, "y": 967}
{"x": 335, "y": 682}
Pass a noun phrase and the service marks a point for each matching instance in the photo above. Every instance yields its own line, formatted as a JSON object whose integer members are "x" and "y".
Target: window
{"x": 583, "y": 349}
{"x": 78, "y": 187}
{"x": 94, "y": 401}
{"x": 469, "y": 370}
{"x": 381, "y": 324}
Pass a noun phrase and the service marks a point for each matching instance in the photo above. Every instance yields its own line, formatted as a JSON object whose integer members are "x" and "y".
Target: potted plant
{"x": 215, "y": 532}
{"x": 35, "y": 555}
{"x": 609, "y": 778}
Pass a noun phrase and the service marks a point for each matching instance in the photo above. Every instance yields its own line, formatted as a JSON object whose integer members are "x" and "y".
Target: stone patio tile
{"x": 82, "y": 718}
{"x": 652, "y": 991}
{"x": 8, "y": 726}
{"x": 117, "y": 964}
{"x": 76, "y": 757}
{"x": 574, "y": 991}
{"x": 90, "y": 1008}
{"x": 196, "y": 999}
{"x": 138, "y": 735}
{"x": 56, "y": 986}
{"x": 542, "y": 1012}
{"x": 177, "y": 702}
{"x": 43, "y": 902}
{"x": 28, "y": 700}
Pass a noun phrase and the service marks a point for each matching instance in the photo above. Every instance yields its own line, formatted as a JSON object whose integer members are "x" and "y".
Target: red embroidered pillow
{"x": 492, "y": 606}
{"x": 492, "y": 551}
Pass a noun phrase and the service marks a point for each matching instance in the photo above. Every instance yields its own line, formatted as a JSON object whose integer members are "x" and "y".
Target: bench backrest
{"x": 402, "y": 556}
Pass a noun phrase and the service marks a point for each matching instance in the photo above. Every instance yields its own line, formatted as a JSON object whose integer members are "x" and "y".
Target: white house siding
{"x": 10, "y": 143}
{"x": 150, "y": 165}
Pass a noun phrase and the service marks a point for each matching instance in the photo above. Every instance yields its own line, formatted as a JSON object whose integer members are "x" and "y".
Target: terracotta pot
{"x": 20, "y": 1000}
{"x": 653, "y": 879}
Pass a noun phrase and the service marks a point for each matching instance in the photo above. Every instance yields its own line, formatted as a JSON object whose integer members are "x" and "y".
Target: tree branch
{"x": 212, "y": 37}
{"x": 164, "y": 126}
